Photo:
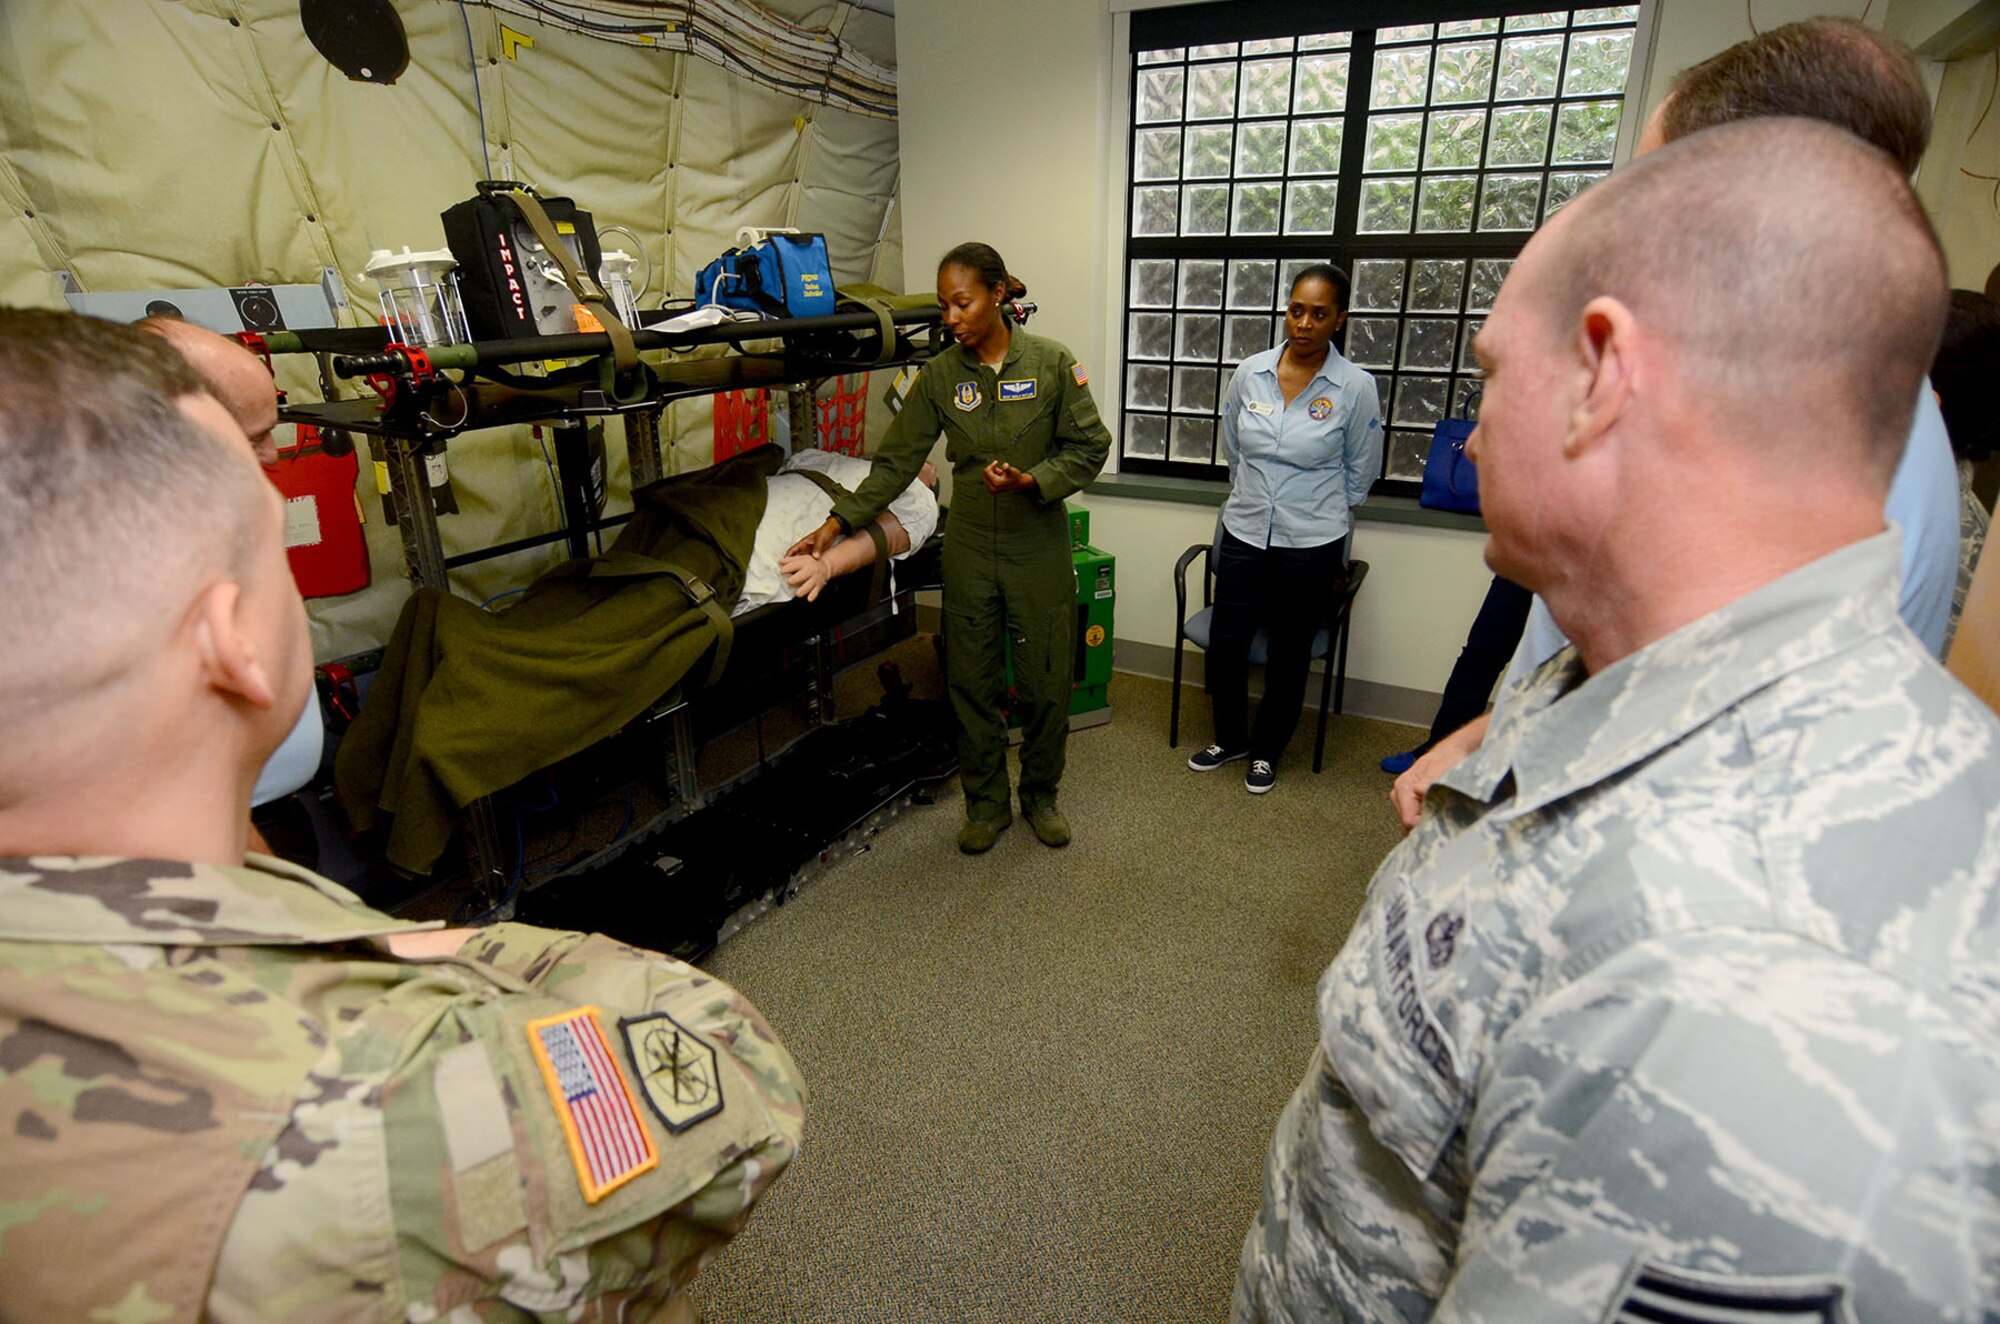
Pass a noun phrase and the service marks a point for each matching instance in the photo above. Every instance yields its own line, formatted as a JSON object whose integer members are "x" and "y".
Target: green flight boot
{"x": 1051, "y": 828}
{"x": 979, "y": 834}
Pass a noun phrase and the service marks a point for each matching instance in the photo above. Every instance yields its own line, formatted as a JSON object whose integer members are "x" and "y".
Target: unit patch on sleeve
{"x": 967, "y": 396}
{"x": 677, "y": 1069}
{"x": 1020, "y": 389}
{"x": 1082, "y": 377}
{"x": 607, "y": 1140}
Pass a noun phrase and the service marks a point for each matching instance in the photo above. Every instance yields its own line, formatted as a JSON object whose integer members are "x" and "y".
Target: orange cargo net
{"x": 843, "y": 416}
{"x": 742, "y": 422}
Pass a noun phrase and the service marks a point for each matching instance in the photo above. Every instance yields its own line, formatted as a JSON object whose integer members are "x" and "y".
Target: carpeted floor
{"x": 1043, "y": 1081}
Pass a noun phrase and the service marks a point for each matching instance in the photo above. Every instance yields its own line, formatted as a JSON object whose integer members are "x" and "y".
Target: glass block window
{"x": 1419, "y": 156}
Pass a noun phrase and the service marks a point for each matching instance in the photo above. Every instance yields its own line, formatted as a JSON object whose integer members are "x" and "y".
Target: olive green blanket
{"x": 468, "y": 702}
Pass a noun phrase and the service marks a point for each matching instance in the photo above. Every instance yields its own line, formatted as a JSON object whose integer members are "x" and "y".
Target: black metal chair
{"x": 1329, "y": 643}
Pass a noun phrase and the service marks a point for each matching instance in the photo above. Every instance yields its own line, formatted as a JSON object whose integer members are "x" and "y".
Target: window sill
{"x": 1198, "y": 492}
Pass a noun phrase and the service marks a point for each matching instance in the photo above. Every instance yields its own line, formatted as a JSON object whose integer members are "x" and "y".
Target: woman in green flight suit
{"x": 1021, "y": 433}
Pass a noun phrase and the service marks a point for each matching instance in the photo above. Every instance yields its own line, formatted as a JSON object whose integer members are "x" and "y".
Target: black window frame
{"x": 1240, "y": 21}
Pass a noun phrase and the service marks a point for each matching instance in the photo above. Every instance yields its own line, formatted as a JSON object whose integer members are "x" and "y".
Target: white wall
{"x": 1012, "y": 132}
{"x": 1003, "y": 111}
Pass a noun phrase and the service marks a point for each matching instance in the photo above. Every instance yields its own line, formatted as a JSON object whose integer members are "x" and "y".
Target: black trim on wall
{"x": 1259, "y": 20}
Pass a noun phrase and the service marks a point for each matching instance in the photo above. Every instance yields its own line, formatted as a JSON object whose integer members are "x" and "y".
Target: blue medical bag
{"x": 781, "y": 275}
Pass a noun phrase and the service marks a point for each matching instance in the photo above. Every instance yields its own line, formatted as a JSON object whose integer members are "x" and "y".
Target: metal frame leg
{"x": 642, "y": 447}
{"x": 486, "y": 859}
{"x": 803, "y": 416}
{"x": 681, "y": 760}
{"x": 416, "y": 517}
{"x": 572, "y": 447}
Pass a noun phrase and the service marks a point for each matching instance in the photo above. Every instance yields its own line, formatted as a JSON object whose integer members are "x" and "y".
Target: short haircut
{"x": 1332, "y": 275}
{"x": 1831, "y": 69}
{"x": 1788, "y": 266}
{"x": 110, "y": 496}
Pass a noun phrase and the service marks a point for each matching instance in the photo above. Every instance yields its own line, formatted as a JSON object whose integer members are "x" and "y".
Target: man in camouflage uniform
{"x": 1683, "y": 1000}
{"x": 227, "y": 1088}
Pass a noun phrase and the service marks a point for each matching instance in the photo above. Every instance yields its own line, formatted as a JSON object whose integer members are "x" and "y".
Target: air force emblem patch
{"x": 967, "y": 396}
{"x": 677, "y": 1070}
{"x": 1020, "y": 389}
{"x": 1441, "y": 938}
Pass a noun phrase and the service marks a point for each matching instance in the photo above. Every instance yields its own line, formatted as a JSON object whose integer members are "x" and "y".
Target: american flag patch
{"x": 1082, "y": 377}
{"x": 607, "y": 1141}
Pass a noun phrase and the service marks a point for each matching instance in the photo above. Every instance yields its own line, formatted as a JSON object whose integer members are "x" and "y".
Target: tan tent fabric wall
{"x": 164, "y": 143}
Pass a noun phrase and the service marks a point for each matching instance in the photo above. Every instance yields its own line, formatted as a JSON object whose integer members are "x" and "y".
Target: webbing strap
{"x": 879, "y": 575}
{"x": 834, "y": 491}
{"x": 702, "y": 595}
{"x": 885, "y": 345}
{"x": 581, "y": 283}
{"x": 881, "y": 302}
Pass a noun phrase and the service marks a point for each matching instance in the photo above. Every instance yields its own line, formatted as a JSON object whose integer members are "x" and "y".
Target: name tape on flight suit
{"x": 1019, "y": 389}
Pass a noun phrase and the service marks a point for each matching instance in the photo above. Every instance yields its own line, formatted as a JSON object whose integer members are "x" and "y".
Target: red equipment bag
{"x": 323, "y": 536}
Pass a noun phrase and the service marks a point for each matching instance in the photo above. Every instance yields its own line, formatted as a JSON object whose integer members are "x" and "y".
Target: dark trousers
{"x": 1489, "y": 646}
{"x": 1282, "y": 590}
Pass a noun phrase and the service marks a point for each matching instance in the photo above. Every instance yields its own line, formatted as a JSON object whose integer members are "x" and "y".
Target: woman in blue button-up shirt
{"x": 1302, "y": 432}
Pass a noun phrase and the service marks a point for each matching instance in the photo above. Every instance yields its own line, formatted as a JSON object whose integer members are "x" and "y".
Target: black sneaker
{"x": 1261, "y": 777}
{"x": 1208, "y": 760}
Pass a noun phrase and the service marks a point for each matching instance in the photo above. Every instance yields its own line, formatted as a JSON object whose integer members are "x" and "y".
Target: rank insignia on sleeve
{"x": 677, "y": 1069}
{"x": 967, "y": 396}
{"x": 1668, "y": 1294}
{"x": 1082, "y": 377}
{"x": 1020, "y": 389}
{"x": 607, "y": 1140}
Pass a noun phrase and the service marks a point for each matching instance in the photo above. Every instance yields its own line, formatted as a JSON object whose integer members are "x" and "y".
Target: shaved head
{"x": 232, "y": 374}
{"x": 1788, "y": 266}
{"x": 122, "y": 484}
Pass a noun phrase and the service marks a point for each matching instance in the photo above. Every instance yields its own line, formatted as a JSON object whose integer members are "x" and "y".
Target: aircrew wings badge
{"x": 607, "y": 1140}
{"x": 677, "y": 1069}
{"x": 966, "y": 397}
{"x": 1082, "y": 377}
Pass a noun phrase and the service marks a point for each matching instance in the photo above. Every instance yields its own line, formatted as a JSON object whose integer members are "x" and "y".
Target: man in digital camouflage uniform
{"x": 1682, "y": 1002}
{"x": 227, "y": 1088}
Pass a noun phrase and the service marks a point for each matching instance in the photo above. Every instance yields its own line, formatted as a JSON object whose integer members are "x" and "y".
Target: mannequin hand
{"x": 816, "y": 542}
{"x": 806, "y": 574}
